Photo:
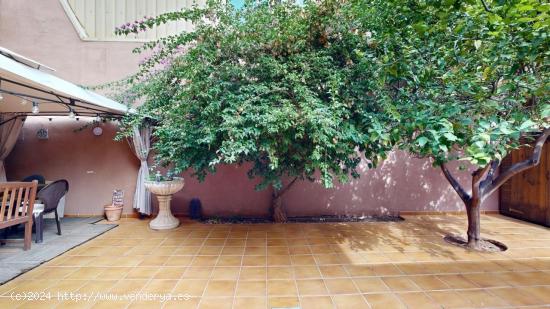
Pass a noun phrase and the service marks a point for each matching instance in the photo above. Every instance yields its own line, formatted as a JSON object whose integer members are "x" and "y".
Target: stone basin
{"x": 163, "y": 190}
{"x": 165, "y": 187}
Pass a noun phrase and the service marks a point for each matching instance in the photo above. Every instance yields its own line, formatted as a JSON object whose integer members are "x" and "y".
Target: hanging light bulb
{"x": 35, "y": 109}
{"x": 98, "y": 118}
{"x": 71, "y": 113}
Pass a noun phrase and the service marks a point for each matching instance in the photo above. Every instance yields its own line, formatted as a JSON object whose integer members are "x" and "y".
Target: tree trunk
{"x": 278, "y": 213}
{"x": 474, "y": 224}
{"x": 473, "y": 206}
{"x": 471, "y": 202}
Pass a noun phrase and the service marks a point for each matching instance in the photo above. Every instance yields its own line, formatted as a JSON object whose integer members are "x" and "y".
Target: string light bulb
{"x": 71, "y": 113}
{"x": 98, "y": 118}
{"x": 35, "y": 109}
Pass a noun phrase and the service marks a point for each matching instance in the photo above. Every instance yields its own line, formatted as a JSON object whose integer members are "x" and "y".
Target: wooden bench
{"x": 17, "y": 206}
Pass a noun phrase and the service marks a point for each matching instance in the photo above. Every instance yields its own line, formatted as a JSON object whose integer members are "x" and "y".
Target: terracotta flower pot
{"x": 113, "y": 213}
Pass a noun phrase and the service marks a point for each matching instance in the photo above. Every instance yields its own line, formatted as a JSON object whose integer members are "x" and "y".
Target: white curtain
{"x": 9, "y": 131}
{"x": 142, "y": 144}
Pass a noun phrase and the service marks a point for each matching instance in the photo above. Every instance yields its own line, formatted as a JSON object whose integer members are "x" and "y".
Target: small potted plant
{"x": 114, "y": 211}
{"x": 164, "y": 187}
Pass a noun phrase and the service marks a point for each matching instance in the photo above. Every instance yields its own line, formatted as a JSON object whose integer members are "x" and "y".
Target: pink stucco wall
{"x": 400, "y": 183}
{"x": 96, "y": 165}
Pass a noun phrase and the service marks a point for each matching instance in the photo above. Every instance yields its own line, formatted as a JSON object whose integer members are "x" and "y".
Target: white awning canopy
{"x": 24, "y": 84}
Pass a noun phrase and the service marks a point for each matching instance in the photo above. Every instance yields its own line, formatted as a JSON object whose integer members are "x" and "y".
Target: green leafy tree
{"x": 469, "y": 81}
{"x": 296, "y": 90}
{"x": 277, "y": 85}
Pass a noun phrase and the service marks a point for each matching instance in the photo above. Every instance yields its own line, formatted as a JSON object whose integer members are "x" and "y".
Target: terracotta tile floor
{"x": 355, "y": 265}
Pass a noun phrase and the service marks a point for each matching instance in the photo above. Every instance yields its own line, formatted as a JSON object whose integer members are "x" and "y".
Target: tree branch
{"x": 280, "y": 193}
{"x": 477, "y": 179}
{"x": 519, "y": 167}
{"x": 490, "y": 174}
{"x": 494, "y": 165}
{"x": 455, "y": 184}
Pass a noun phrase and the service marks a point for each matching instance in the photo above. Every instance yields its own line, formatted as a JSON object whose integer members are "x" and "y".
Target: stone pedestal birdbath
{"x": 163, "y": 190}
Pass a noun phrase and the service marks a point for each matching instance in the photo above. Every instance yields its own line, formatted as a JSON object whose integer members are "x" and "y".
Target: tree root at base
{"x": 482, "y": 245}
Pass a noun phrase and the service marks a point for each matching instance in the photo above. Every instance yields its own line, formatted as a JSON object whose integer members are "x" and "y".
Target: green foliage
{"x": 298, "y": 89}
{"x": 158, "y": 176}
{"x": 279, "y": 86}
{"x": 467, "y": 79}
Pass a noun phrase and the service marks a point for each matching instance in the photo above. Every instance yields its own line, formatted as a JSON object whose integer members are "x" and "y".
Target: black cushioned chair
{"x": 50, "y": 196}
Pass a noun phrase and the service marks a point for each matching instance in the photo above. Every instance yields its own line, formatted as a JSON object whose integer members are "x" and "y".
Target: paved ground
{"x": 352, "y": 265}
{"x": 14, "y": 261}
